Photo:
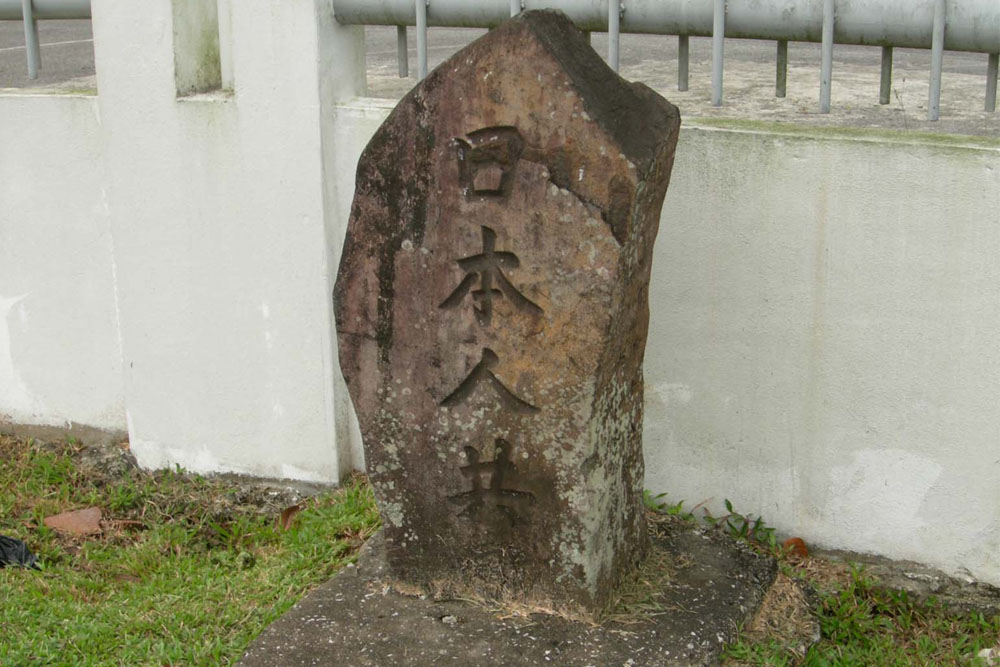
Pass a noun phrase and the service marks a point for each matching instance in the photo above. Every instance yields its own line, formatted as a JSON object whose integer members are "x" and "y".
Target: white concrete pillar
{"x": 342, "y": 78}
{"x": 220, "y": 230}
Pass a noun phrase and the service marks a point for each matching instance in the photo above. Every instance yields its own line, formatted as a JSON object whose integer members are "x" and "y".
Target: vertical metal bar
{"x": 614, "y": 18}
{"x": 718, "y": 52}
{"x": 992, "y": 67}
{"x": 937, "y": 59}
{"x": 401, "y": 52}
{"x": 781, "y": 69}
{"x": 421, "y": 38}
{"x": 885, "y": 84}
{"x": 31, "y": 39}
{"x": 683, "y": 59}
{"x": 826, "y": 70}
{"x": 515, "y": 7}
{"x": 586, "y": 33}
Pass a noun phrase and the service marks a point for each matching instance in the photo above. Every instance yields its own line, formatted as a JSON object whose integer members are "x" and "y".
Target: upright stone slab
{"x": 492, "y": 312}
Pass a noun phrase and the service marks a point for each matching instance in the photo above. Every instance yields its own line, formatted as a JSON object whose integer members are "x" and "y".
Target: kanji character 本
{"x": 487, "y": 268}
{"x": 482, "y": 373}
{"x": 499, "y": 492}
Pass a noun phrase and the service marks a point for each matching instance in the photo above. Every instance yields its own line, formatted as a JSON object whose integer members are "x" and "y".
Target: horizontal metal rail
{"x": 10, "y": 10}
{"x": 973, "y": 25}
{"x": 958, "y": 25}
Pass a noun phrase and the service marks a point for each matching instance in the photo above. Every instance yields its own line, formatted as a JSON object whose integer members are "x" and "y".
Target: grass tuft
{"x": 188, "y": 569}
{"x": 860, "y": 622}
{"x": 820, "y": 612}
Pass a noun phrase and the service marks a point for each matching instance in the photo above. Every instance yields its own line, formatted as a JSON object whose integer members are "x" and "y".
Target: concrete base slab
{"x": 355, "y": 620}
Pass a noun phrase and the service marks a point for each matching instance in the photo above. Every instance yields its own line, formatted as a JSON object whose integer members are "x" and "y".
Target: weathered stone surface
{"x": 492, "y": 312}
{"x": 354, "y": 620}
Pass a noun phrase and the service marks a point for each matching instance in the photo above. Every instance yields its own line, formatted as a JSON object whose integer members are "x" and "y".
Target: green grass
{"x": 863, "y": 623}
{"x": 190, "y": 570}
{"x": 192, "y": 581}
{"x": 860, "y": 621}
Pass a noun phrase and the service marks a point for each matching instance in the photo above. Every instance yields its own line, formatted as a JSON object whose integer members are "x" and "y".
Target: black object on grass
{"x": 15, "y": 552}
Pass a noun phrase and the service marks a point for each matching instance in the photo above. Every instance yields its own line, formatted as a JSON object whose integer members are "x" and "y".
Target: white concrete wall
{"x": 824, "y": 342}
{"x": 823, "y": 345}
{"x": 60, "y": 361}
{"x": 166, "y": 264}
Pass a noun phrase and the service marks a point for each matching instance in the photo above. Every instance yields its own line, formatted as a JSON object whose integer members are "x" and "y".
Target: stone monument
{"x": 491, "y": 311}
{"x": 491, "y": 317}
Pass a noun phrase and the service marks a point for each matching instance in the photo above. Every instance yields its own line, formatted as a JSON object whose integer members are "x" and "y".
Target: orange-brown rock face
{"x": 492, "y": 311}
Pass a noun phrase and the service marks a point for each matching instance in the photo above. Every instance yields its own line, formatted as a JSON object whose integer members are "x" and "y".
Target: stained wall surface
{"x": 60, "y": 360}
{"x": 823, "y": 348}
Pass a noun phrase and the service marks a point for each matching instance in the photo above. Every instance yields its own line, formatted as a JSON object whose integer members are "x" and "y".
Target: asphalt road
{"x": 67, "y": 53}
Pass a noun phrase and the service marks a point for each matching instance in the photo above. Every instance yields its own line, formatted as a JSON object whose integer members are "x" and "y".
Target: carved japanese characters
{"x": 492, "y": 310}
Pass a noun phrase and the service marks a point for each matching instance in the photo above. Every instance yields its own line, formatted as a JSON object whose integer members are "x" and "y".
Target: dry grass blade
{"x": 121, "y": 525}
{"x": 288, "y": 515}
{"x": 638, "y": 598}
{"x": 785, "y": 615}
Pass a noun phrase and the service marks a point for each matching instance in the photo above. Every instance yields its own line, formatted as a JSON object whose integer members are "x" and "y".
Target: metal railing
{"x": 33, "y": 11}
{"x": 958, "y": 25}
